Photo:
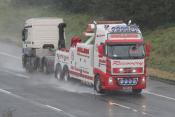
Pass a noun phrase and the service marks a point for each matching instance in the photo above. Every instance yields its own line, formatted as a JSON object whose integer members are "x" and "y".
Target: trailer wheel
{"x": 65, "y": 74}
{"x": 29, "y": 69}
{"x": 29, "y": 65}
{"x": 58, "y": 72}
{"x": 97, "y": 84}
{"x": 136, "y": 91}
{"x": 45, "y": 67}
{"x": 24, "y": 61}
{"x": 37, "y": 63}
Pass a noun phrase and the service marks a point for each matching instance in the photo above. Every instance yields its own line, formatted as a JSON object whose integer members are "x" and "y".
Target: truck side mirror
{"x": 147, "y": 49}
{"x": 75, "y": 40}
{"x": 101, "y": 50}
{"x": 61, "y": 43}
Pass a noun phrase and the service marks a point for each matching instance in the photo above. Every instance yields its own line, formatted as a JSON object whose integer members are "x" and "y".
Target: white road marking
{"x": 4, "y": 91}
{"x": 159, "y": 95}
{"x": 143, "y": 113}
{"x": 16, "y": 74}
{"x": 127, "y": 107}
{"x": 23, "y": 76}
{"x": 36, "y": 103}
{"x": 53, "y": 108}
{"x": 15, "y": 57}
{"x": 9, "y": 55}
{"x": 135, "y": 110}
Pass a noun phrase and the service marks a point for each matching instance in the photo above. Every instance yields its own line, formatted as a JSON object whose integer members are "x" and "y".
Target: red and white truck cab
{"x": 112, "y": 58}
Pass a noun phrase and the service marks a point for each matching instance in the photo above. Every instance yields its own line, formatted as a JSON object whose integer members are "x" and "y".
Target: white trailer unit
{"x": 41, "y": 37}
{"x": 42, "y": 32}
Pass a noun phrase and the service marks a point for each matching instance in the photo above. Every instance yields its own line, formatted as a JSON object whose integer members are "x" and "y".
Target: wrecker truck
{"x": 112, "y": 57}
{"x": 41, "y": 37}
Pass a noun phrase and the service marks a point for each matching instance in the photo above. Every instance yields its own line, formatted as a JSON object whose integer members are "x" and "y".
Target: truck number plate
{"x": 127, "y": 87}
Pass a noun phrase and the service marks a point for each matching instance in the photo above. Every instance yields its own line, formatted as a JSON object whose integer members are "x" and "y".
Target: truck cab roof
{"x": 43, "y": 21}
{"x": 113, "y": 31}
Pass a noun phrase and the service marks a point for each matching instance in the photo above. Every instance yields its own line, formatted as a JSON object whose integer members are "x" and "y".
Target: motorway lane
{"x": 41, "y": 95}
{"x": 19, "y": 107}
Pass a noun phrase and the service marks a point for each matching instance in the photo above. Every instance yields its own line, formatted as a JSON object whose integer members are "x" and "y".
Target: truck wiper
{"x": 137, "y": 57}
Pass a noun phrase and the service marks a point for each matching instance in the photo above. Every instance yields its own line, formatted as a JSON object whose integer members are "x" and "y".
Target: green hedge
{"x": 147, "y": 13}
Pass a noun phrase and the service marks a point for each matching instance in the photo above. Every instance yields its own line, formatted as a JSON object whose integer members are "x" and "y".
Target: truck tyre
{"x": 37, "y": 63}
{"x": 45, "y": 67}
{"x": 29, "y": 66}
{"x": 65, "y": 74}
{"x": 136, "y": 91}
{"x": 29, "y": 69}
{"x": 97, "y": 84}
{"x": 24, "y": 61}
{"x": 58, "y": 71}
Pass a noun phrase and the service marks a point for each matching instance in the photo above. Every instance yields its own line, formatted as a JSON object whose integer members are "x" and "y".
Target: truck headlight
{"x": 121, "y": 70}
{"x": 143, "y": 80}
{"x": 110, "y": 80}
{"x": 133, "y": 70}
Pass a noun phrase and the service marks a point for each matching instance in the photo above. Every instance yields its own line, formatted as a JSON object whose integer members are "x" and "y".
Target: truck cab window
{"x": 24, "y": 34}
{"x": 126, "y": 51}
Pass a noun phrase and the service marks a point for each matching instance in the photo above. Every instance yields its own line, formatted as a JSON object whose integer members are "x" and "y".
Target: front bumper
{"x": 115, "y": 85}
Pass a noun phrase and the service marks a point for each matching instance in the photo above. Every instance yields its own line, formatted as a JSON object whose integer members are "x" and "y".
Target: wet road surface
{"x": 39, "y": 95}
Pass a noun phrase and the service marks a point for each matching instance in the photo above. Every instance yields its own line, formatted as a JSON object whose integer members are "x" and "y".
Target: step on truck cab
{"x": 113, "y": 57}
{"x": 40, "y": 38}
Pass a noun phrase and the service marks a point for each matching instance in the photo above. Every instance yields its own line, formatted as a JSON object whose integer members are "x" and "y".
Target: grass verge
{"x": 159, "y": 74}
{"x": 163, "y": 48}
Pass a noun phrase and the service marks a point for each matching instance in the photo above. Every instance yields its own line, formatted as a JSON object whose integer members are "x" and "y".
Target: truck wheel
{"x": 97, "y": 85}
{"x": 28, "y": 65}
{"x": 65, "y": 74}
{"x": 45, "y": 67}
{"x": 37, "y": 61}
{"x": 23, "y": 61}
{"x": 29, "y": 68}
{"x": 58, "y": 72}
{"x": 136, "y": 91}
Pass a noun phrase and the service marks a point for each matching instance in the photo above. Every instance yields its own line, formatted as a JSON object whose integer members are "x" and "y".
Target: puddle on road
{"x": 75, "y": 87}
{"x": 71, "y": 86}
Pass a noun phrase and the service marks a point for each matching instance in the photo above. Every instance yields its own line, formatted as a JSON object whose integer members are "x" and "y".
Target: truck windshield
{"x": 125, "y": 51}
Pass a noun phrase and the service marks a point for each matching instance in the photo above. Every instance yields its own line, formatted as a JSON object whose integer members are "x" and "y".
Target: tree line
{"x": 148, "y": 13}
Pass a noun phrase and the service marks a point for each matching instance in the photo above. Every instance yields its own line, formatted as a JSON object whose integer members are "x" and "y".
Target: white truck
{"x": 112, "y": 58}
{"x": 41, "y": 37}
